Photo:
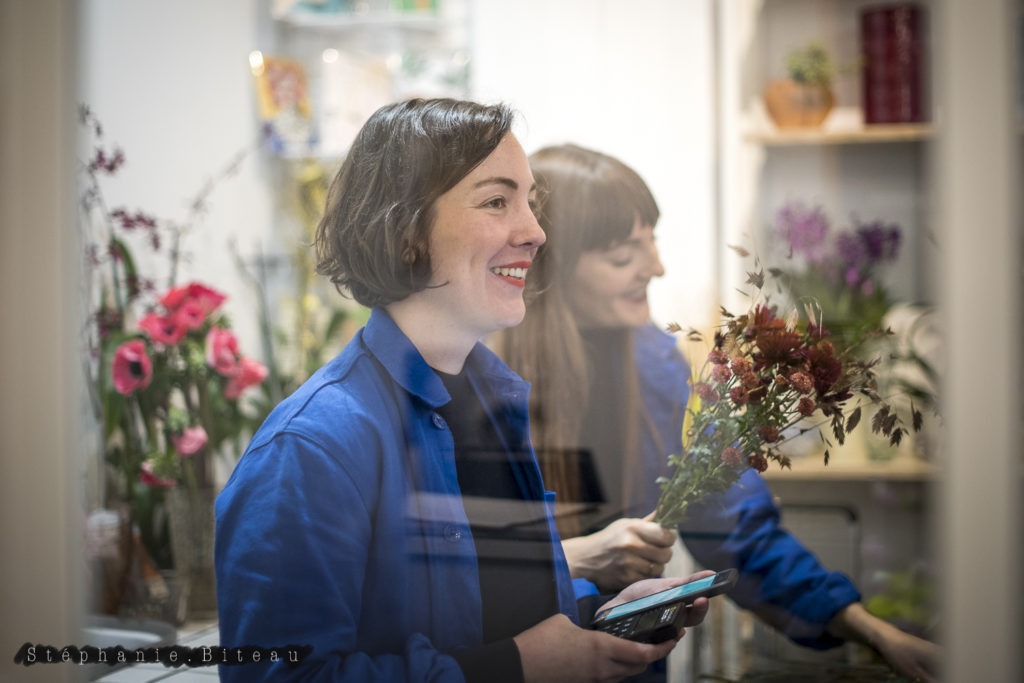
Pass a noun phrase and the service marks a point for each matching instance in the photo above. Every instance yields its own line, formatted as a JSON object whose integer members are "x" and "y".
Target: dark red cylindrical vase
{"x": 893, "y": 56}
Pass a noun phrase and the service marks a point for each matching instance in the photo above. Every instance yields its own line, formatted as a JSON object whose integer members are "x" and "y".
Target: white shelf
{"x": 880, "y": 133}
{"x": 811, "y": 468}
{"x": 350, "y": 21}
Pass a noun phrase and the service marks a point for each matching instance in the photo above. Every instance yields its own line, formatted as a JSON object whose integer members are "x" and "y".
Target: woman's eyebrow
{"x": 501, "y": 180}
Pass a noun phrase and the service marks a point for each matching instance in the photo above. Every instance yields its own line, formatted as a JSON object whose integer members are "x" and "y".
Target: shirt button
{"x": 439, "y": 421}
{"x": 452, "y": 533}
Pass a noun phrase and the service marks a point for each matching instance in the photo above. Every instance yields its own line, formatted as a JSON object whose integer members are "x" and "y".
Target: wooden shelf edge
{"x": 811, "y": 468}
{"x": 906, "y": 132}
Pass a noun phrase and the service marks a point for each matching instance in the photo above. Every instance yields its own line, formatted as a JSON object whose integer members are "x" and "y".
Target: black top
{"x": 517, "y": 578}
{"x": 604, "y": 422}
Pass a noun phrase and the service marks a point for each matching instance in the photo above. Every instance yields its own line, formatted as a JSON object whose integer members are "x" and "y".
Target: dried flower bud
{"x": 707, "y": 393}
{"x": 750, "y": 380}
{"x": 802, "y": 382}
{"x": 721, "y": 373}
{"x": 718, "y": 357}
{"x": 738, "y": 395}
{"x": 758, "y": 462}
{"x": 741, "y": 365}
{"x": 768, "y": 433}
{"x": 732, "y": 457}
{"x": 806, "y": 406}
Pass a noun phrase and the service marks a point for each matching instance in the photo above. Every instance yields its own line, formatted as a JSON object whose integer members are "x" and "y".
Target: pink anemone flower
{"x": 131, "y": 368}
{"x": 209, "y": 299}
{"x": 222, "y": 351}
{"x": 190, "y": 441}
{"x": 166, "y": 330}
{"x": 251, "y": 372}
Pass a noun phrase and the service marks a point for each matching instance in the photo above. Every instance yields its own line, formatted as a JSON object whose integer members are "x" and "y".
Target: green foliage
{"x": 907, "y": 600}
{"x": 810, "y": 64}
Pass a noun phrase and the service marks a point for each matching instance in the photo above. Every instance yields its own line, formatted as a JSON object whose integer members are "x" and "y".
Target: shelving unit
{"x": 850, "y": 169}
{"x": 369, "y": 53}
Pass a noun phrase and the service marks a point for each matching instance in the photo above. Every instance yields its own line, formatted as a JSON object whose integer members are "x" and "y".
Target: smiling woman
{"x": 347, "y": 524}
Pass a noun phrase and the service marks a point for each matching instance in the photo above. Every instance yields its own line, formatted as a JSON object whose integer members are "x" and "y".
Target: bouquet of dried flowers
{"x": 765, "y": 374}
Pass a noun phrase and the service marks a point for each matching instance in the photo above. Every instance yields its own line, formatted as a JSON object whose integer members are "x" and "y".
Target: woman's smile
{"x": 513, "y": 273}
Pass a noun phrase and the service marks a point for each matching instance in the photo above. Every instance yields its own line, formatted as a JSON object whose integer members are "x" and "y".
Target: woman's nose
{"x": 529, "y": 233}
{"x": 654, "y": 266}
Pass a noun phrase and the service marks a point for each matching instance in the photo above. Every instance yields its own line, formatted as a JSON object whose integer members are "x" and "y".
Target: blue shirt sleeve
{"x": 779, "y": 578}
{"x": 293, "y": 532}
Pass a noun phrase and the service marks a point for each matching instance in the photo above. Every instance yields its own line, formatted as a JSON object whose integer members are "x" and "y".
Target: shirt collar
{"x": 403, "y": 361}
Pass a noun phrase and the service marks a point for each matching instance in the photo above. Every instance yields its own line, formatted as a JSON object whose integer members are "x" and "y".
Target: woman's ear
{"x": 410, "y": 254}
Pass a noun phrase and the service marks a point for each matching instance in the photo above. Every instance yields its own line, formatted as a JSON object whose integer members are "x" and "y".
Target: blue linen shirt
{"x": 342, "y": 526}
{"x": 779, "y": 578}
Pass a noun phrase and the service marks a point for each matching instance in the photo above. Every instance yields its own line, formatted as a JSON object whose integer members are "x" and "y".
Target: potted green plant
{"x": 804, "y": 98}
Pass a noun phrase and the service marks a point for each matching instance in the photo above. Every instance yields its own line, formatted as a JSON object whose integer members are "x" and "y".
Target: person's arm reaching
{"x": 909, "y": 655}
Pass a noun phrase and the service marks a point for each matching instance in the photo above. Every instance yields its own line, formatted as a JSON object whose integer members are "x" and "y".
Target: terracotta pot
{"x": 797, "y": 105}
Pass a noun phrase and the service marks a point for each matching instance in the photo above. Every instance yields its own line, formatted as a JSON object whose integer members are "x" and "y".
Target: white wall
{"x": 170, "y": 83}
{"x": 632, "y": 78}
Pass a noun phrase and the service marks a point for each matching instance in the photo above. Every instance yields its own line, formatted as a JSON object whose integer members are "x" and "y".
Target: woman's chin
{"x": 636, "y": 316}
{"x": 510, "y": 319}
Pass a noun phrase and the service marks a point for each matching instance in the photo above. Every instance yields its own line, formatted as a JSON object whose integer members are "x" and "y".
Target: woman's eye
{"x": 620, "y": 261}
{"x": 496, "y": 203}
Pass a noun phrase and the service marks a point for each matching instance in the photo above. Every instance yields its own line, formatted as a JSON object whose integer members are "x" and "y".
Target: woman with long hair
{"x": 609, "y": 388}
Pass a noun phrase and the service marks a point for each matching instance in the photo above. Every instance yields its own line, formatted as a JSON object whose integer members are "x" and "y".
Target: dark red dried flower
{"x": 806, "y": 406}
{"x": 732, "y": 457}
{"x": 768, "y": 433}
{"x": 758, "y": 461}
{"x": 777, "y": 345}
{"x": 824, "y": 368}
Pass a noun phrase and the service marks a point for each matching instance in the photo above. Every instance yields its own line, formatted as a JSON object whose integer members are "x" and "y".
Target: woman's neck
{"x": 442, "y": 346}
